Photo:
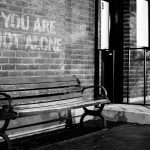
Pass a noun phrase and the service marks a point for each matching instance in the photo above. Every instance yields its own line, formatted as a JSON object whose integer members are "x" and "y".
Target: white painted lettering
{"x": 7, "y": 39}
{"x": 6, "y": 19}
{"x": 1, "y": 39}
{"x": 23, "y": 21}
{"x": 45, "y": 25}
{"x": 16, "y": 39}
{"x": 36, "y": 43}
{"x": 18, "y": 25}
{"x": 37, "y": 26}
{"x": 13, "y": 20}
{"x": 44, "y": 43}
{"x": 29, "y": 43}
{"x": 51, "y": 43}
{"x": 58, "y": 43}
{"x": 52, "y": 27}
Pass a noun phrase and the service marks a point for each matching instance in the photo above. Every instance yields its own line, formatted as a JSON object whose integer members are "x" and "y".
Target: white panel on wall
{"x": 104, "y": 25}
{"x": 142, "y": 23}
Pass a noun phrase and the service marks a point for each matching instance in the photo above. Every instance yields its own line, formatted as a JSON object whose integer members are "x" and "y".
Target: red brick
{"x": 16, "y": 8}
{"x": 21, "y": 54}
{"x": 55, "y": 55}
{"x": 40, "y": 61}
{"x": 44, "y": 67}
{"x": 15, "y": 73}
{"x": 3, "y": 60}
{"x": 3, "y": 73}
{"x": 39, "y": 73}
{"x": 21, "y": 3}
{"x": 8, "y": 67}
{"x": 28, "y": 73}
{"x": 15, "y": 60}
{"x": 8, "y": 53}
{"x": 55, "y": 67}
{"x": 22, "y": 67}
{"x": 33, "y": 54}
{"x": 34, "y": 67}
{"x": 49, "y": 73}
{"x": 27, "y": 61}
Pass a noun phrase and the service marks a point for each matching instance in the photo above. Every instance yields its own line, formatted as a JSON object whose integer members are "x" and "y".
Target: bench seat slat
{"x": 44, "y": 92}
{"x": 30, "y": 80}
{"x": 63, "y": 102}
{"x": 46, "y": 99}
{"x": 35, "y": 86}
{"x": 57, "y": 107}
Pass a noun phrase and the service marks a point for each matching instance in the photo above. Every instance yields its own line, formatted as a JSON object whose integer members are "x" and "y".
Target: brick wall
{"x": 46, "y": 38}
{"x": 135, "y": 58}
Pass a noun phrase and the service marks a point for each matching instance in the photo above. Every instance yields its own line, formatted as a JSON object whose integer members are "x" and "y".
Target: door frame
{"x": 116, "y": 48}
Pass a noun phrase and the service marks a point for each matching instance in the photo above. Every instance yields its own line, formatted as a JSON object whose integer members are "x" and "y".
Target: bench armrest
{"x": 8, "y": 107}
{"x": 89, "y": 87}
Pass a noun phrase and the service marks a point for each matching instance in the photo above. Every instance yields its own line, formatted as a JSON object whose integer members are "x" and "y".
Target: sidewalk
{"x": 128, "y": 113}
{"x": 121, "y": 136}
{"x": 129, "y": 135}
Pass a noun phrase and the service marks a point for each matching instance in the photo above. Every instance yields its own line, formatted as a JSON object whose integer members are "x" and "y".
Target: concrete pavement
{"x": 128, "y": 113}
{"x": 120, "y": 137}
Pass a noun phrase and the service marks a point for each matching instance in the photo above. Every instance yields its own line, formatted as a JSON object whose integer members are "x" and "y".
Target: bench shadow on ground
{"x": 36, "y": 141}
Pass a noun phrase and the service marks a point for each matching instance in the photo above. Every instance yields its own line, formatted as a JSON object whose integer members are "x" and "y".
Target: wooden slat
{"x": 46, "y": 99}
{"x": 26, "y": 87}
{"x": 30, "y": 80}
{"x": 59, "y": 107}
{"x": 52, "y": 104}
{"x": 43, "y": 92}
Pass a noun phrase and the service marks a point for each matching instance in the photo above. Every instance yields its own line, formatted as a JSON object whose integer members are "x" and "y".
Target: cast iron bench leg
{"x": 6, "y": 139}
{"x": 82, "y": 118}
{"x": 4, "y": 136}
{"x": 97, "y": 113}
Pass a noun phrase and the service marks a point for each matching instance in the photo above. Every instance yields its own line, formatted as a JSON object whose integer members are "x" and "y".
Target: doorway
{"x": 112, "y": 49}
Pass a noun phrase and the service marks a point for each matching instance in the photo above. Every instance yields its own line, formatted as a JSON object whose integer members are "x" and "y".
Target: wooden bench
{"x": 22, "y": 97}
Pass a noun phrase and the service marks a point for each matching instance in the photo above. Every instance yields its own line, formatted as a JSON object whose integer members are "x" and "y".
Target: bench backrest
{"x": 38, "y": 89}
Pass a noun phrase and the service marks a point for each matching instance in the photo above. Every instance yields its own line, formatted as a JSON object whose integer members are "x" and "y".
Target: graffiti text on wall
{"x": 45, "y": 33}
